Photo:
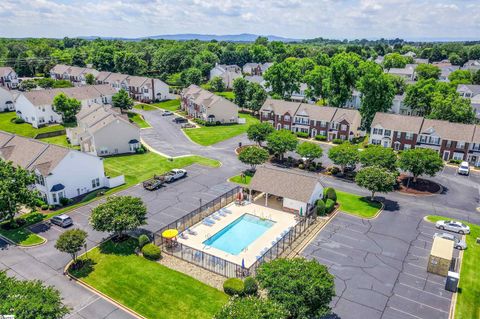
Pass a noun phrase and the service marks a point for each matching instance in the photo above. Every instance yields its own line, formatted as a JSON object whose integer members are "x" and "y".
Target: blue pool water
{"x": 239, "y": 234}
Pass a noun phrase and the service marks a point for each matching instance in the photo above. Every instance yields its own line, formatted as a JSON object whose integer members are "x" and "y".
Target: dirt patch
{"x": 420, "y": 187}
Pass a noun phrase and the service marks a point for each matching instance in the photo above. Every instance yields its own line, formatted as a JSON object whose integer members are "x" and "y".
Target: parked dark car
{"x": 179, "y": 120}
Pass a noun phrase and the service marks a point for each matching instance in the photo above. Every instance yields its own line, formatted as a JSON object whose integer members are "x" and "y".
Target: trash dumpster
{"x": 452, "y": 281}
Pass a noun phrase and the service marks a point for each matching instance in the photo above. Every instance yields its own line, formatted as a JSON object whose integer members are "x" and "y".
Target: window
{"x": 448, "y": 144}
{"x": 407, "y": 146}
{"x": 286, "y": 117}
{"x": 343, "y": 127}
{"x": 95, "y": 183}
{"x": 378, "y": 131}
{"x": 399, "y": 135}
{"x": 54, "y": 197}
{"x": 376, "y": 142}
{"x": 387, "y": 133}
{"x": 460, "y": 144}
{"x": 458, "y": 156}
{"x": 40, "y": 180}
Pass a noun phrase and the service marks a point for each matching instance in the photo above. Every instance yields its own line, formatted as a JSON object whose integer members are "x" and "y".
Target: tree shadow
{"x": 389, "y": 205}
{"x": 331, "y": 316}
{"x": 82, "y": 268}
{"x": 121, "y": 248}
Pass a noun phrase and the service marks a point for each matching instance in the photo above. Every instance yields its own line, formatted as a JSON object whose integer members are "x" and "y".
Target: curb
{"x": 11, "y": 242}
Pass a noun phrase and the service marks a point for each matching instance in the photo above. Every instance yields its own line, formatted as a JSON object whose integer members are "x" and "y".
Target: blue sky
{"x": 290, "y": 18}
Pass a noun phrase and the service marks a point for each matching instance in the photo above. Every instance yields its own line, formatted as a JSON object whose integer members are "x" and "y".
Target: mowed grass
{"x": 245, "y": 180}
{"x": 171, "y": 105}
{"x": 145, "y": 107}
{"x": 24, "y": 129}
{"x": 150, "y": 289}
{"x": 22, "y": 237}
{"x": 140, "y": 167}
{"x": 60, "y": 140}
{"x": 227, "y": 94}
{"x": 209, "y": 135}
{"x": 357, "y": 205}
{"x": 138, "y": 119}
{"x": 468, "y": 298}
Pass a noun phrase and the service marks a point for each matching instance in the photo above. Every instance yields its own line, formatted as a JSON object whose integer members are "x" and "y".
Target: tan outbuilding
{"x": 440, "y": 256}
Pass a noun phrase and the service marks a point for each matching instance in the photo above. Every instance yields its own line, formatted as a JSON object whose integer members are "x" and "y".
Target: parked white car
{"x": 458, "y": 244}
{"x": 464, "y": 168}
{"x": 453, "y": 226}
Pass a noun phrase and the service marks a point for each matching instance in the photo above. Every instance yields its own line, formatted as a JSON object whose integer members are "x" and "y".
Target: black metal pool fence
{"x": 216, "y": 264}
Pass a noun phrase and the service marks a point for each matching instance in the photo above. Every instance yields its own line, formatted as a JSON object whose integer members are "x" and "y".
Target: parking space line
{"x": 416, "y": 266}
{"x": 406, "y": 313}
{"x": 428, "y": 292}
{"x": 431, "y": 282}
{"x": 420, "y": 303}
{"x": 417, "y": 256}
{"x": 335, "y": 252}
{"x": 327, "y": 260}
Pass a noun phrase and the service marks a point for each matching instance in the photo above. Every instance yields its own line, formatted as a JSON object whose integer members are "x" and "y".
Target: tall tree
{"x": 344, "y": 155}
{"x": 317, "y": 82}
{"x": 256, "y": 96}
{"x": 90, "y": 79}
{"x": 428, "y": 71}
{"x": 191, "y": 76}
{"x": 66, "y": 106}
{"x": 460, "y": 77}
{"x": 284, "y": 77}
{"x": 376, "y": 155}
{"x": 119, "y": 214}
{"x": 71, "y": 242}
{"x": 376, "y": 180}
{"x": 122, "y": 100}
{"x": 281, "y": 141}
{"x": 419, "y": 161}
{"x": 377, "y": 92}
{"x": 30, "y": 299}
{"x": 259, "y": 132}
{"x": 453, "y": 108}
{"x": 15, "y": 190}
{"x": 310, "y": 151}
{"x": 343, "y": 77}
{"x": 395, "y": 60}
{"x": 240, "y": 86}
{"x": 217, "y": 84}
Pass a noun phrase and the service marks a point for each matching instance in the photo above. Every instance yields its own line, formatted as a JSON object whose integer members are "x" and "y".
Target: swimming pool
{"x": 239, "y": 234}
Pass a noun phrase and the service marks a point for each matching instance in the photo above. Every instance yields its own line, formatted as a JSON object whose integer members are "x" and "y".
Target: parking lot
{"x": 380, "y": 267}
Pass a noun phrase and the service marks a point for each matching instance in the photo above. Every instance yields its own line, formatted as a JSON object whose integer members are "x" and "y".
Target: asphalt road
{"x": 378, "y": 249}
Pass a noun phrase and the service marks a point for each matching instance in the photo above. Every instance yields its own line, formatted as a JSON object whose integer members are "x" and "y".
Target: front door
{"x": 446, "y": 155}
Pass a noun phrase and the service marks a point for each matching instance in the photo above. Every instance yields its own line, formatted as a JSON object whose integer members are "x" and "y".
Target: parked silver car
{"x": 458, "y": 244}
{"x": 62, "y": 220}
{"x": 453, "y": 226}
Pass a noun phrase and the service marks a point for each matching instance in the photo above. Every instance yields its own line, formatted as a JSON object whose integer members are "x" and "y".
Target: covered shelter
{"x": 288, "y": 190}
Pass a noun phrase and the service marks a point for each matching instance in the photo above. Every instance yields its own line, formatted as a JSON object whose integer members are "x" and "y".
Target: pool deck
{"x": 282, "y": 221}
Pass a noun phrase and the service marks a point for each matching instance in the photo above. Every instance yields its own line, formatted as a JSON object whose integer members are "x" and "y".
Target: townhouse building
{"x": 256, "y": 69}
{"x": 35, "y": 107}
{"x": 450, "y": 140}
{"x": 331, "y": 122}
{"x": 228, "y": 73}
{"x": 8, "y": 78}
{"x": 6, "y": 100}
{"x": 471, "y": 92}
{"x": 408, "y": 72}
{"x": 207, "y": 106}
{"x": 60, "y": 172}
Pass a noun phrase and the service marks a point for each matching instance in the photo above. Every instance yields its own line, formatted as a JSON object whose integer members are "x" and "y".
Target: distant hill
{"x": 244, "y": 37}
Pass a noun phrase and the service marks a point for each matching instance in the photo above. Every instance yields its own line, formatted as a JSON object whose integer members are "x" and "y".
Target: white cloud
{"x": 291, "y": 18}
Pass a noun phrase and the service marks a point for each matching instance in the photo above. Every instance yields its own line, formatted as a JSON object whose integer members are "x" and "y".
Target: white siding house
{"x": 228, "y": 73}
{"x": 35, "y": 107}
{"x": 6, "y": 100}
{"x": 8, "y": 78}
{"x": 61, "y": 172}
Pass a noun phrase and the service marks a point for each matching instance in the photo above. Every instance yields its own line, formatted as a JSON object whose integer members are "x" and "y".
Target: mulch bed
{"x": 420, "y": 187}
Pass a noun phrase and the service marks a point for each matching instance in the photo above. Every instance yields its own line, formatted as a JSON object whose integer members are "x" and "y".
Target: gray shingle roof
{"x": 397, "y": 122}
{"x": 45, "y": 97}
{"x": 285, "y": 183}
{"x": 280, "y": 106}
{"x": 450, "y": 131}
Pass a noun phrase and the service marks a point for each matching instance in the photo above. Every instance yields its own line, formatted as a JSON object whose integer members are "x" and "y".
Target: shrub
{"x": 140, "y": 150}
{"x": 250, "y": 286}
{"x": 151, "y": 251}
{"x": 321, "y": 209}
{"x": 312, "y": 168}
{"x": 301, "y": 166}
{"x": 19, "y": 120}
{"x": 143, "y": 240}
{"x": 333, "y": 170}
{"x": 34, "y": 218}
{"x": 252, "y": 307}
{"x": 51, "y": 207}
{"x": 64, "y": 201}
{"x": 337, "y": 141}
{"x": 44, "y": 207}
{"x": 329, "y": 193}
{"x": 302, "y": 134}
{"x": 233, "y": 287}
{"x": 455, "y": 161}
{"x": 321, "y": 138}
{"x": 329, "y": 206}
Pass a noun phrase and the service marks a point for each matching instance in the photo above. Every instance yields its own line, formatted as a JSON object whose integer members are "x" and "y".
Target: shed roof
{"x": 442, "y": 248}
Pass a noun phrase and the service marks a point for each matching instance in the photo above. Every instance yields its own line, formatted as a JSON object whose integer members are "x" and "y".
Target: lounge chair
{"x": 208, "y": 219}
{"x": 207, "y": 223}
{"x": 191, "y": 232}
{"x": 221, "y": 213}
{"x": 226, "y": 210}
{"x": 215, "y": 216}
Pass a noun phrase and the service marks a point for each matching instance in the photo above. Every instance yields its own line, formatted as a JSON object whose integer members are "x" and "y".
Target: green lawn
{"x": 60, "y": 140}
{"x": 150, "y": 289}
{"x": 24, "y": 129}
{"x": 172, "y": 105}
{"x": 138, "y": 119}
{"x": 22, "y": 237}
{"x": 140, "y": 167}
{"x": 145, "y": 107}
{"x": 227, "y": 94}
{"x": 209, "y": 135}
{"x": 468, "y": 298}
{"x": 357, "y": 205}
{"x": 239, "y": 180}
